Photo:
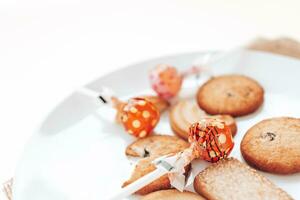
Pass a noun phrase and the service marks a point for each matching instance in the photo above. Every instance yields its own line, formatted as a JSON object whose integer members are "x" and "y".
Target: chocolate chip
{"x": 269, "y": 135}
{"x": 146, "y": 153}
{"x": 229, "y": 94}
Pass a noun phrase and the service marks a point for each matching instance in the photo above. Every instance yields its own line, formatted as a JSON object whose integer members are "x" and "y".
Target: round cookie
{"x": 184, "y": 113}
{"x": 235, "y": 95}
{"x": 273, "y": 145}
{"x": 156, "y": 146}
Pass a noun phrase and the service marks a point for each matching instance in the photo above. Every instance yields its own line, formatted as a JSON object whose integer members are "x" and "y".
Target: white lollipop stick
{"x": 164, "y": 164}
{"x": 138, "y": 184}
{"x": 172, "y": 165}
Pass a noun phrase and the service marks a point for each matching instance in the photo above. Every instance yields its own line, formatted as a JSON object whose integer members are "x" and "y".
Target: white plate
{"x": 87, "y": 160}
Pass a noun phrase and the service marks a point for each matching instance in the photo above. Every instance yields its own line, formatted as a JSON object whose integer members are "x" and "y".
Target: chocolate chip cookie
{"x": 235, "y": 95}
{"x": 273, "y": 145}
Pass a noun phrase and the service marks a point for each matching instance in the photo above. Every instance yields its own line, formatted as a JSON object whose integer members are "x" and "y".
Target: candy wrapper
{"x": 210, "y": 139}
{"x": 175, "y": 167}
{"x": 138, "y": 115}
{"x": 207, "y": 142}
{"x": 166, "y": 80}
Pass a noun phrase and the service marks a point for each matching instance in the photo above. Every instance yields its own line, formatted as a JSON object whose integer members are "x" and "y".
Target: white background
{"x": 49, "y": 48}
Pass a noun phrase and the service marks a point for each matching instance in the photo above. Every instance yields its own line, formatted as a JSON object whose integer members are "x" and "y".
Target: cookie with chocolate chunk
{"x": 234, "y": 95}
{"x": 144, "y": 167}
{"x": 156, "y": 146}
{"x": 273, "y": 145}
{"x": 148, "y": 149}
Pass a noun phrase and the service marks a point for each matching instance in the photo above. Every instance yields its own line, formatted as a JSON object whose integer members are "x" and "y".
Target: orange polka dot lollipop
{"x": 139, "y": 117}
{"x": 212, "y": 139}
{"x": 166, "y": 80}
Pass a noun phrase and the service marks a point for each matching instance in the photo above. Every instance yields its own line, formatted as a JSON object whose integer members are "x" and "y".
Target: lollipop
{"x": 166, "y": 80}
{"x": 210, "y": 140}
{"x": 138, "y": 115}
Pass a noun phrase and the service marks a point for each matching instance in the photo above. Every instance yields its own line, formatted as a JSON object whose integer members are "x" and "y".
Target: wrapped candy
{"x": 166, "y": 80}
{"x": 210, "y": 140}
{"x": 138, "y": 115}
